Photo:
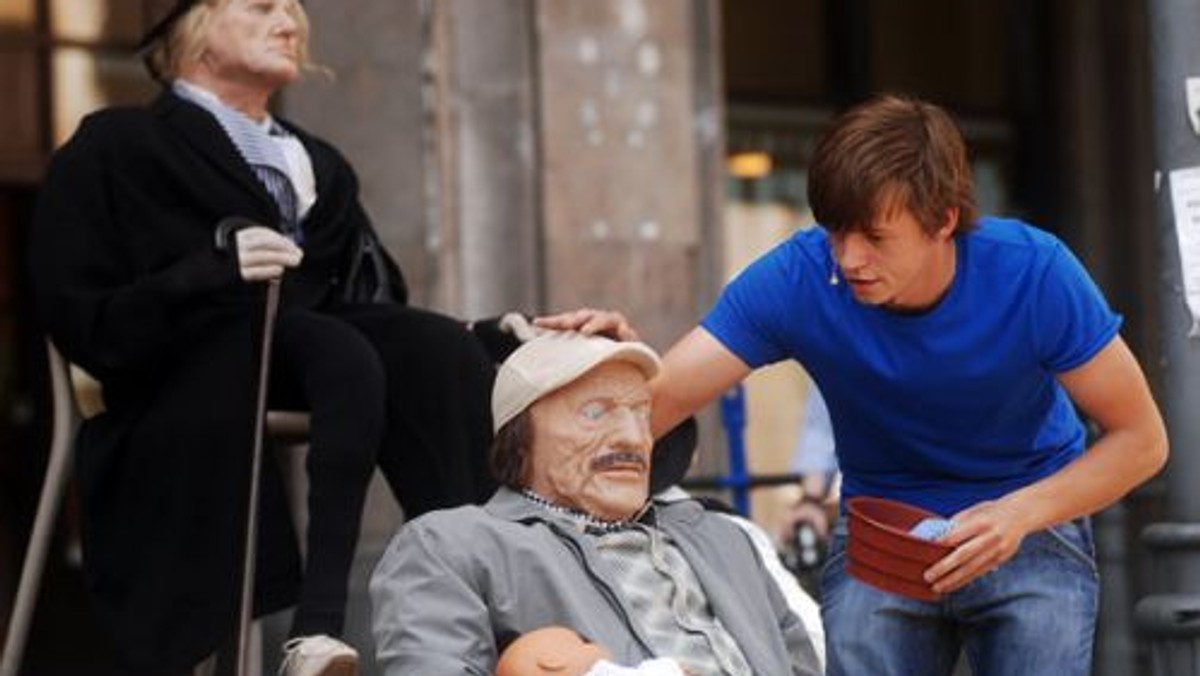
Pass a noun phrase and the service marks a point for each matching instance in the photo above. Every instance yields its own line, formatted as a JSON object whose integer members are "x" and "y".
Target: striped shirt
{"x": 277, "y": 157}
{"x": 668, "y": 603}
{"x": 664, "y": 596}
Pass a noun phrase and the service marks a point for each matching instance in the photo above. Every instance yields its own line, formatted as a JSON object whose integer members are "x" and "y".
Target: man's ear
{"x": 950, "y": 225}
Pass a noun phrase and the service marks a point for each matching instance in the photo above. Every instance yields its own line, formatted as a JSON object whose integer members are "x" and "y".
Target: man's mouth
{"x": 621, "y": 460}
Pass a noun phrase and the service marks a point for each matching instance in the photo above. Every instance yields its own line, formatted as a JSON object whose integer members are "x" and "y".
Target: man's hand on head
{"x": 609, "y": 323}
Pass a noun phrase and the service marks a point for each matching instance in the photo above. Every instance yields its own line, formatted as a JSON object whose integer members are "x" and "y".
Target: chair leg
{"x": 57, "y": 470}
{"x": 206, "y": 668}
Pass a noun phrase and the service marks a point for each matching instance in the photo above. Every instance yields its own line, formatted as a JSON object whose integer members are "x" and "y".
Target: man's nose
{"x": 632, "y": 428}
{"x": 851, "y": 251}
{"x": 288, "y": 23}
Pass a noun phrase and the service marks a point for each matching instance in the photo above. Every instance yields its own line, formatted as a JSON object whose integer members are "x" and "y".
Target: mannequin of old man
{"x": 573, "y": 539}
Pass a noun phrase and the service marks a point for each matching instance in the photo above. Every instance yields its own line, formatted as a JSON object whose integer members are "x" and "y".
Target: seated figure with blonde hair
{"x": 158, "y": 231}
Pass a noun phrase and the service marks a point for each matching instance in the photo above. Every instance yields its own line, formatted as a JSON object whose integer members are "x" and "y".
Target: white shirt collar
{"x": 211, "y": 98}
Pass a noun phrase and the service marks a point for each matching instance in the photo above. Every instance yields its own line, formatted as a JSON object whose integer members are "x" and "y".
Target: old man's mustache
{"x": 610, "y": 460}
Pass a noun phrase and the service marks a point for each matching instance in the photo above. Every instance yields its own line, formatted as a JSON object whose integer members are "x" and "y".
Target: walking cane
{"x": 225, "y": 230}
{"x": 248, "y": 564}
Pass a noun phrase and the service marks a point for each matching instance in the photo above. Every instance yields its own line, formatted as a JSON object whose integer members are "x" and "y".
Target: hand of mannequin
{"x": 550, "y": 651}
{"x": 558, "y": 651}
{"x": 264, "y": 254}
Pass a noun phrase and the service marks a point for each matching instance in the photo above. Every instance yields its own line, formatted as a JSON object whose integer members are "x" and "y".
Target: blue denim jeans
{"x": 1036, "y": 614}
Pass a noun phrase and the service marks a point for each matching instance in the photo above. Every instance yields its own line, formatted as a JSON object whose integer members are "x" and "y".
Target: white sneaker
{"x": 318, "y": 655}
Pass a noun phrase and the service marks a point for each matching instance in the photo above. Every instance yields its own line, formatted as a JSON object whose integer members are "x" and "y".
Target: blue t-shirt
{"x": 945, "y": 408}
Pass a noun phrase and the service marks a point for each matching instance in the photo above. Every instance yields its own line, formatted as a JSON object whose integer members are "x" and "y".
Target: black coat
{"x": 130, "y": 286}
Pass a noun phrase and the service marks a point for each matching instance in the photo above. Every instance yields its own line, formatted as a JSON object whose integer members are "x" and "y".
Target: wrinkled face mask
{"x": 592, "y": 443}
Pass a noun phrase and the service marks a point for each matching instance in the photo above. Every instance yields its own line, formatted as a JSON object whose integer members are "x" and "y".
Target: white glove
{"x": 264, "y": 253}
{"x": 662, "y": 666}
{"x": 516, "y": 324}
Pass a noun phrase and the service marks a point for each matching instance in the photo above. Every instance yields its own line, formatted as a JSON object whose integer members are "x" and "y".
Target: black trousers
{"x": 403, "y": 388}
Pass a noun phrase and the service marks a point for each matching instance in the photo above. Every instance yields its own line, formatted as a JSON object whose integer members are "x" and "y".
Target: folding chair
{"x": 75, "y": 395}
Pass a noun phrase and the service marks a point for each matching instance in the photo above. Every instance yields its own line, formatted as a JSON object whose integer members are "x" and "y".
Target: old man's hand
{"x": 264, "y": 254}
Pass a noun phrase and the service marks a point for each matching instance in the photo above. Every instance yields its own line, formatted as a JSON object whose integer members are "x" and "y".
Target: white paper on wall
{"x": 1185, "y": 199}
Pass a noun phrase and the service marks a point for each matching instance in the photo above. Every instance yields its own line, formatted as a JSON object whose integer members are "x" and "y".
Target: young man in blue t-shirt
{"x": 952, "y": 351}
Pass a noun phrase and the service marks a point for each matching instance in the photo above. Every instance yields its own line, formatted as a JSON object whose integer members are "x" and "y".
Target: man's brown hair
{"x": 892, "y": 152}
{"x": 511, "y": 451}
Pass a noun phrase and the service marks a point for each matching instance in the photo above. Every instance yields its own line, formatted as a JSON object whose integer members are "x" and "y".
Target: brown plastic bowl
{"x": 883, "y": 554}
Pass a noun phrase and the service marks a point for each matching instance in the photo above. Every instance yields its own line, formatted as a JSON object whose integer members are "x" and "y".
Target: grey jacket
{"x": 455, "y": 583}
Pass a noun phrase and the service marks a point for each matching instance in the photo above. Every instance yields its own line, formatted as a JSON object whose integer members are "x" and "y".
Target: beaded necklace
{"x": 584, "y": 518}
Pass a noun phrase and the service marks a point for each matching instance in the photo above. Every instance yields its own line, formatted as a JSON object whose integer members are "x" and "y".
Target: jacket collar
{"x": 670, "y": 511}
{"x": 203, "y": 134}
{"x": 510, "y": 505}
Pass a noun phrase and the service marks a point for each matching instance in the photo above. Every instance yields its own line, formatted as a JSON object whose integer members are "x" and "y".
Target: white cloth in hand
{"x": 662, "y": 666}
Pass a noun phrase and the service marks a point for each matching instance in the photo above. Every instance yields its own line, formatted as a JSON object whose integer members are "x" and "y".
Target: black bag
{"x": 372, "y": 276}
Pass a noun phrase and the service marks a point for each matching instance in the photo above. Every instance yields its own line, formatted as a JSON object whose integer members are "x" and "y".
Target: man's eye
{"x": 594, "y": 410}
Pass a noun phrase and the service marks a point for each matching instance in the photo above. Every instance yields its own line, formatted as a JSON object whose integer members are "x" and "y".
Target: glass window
{"x": 87, "y": 79}
{"x": 17, "y": 14}
{"x": 20, "y": 116}
{"x": 113, "y": 22}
